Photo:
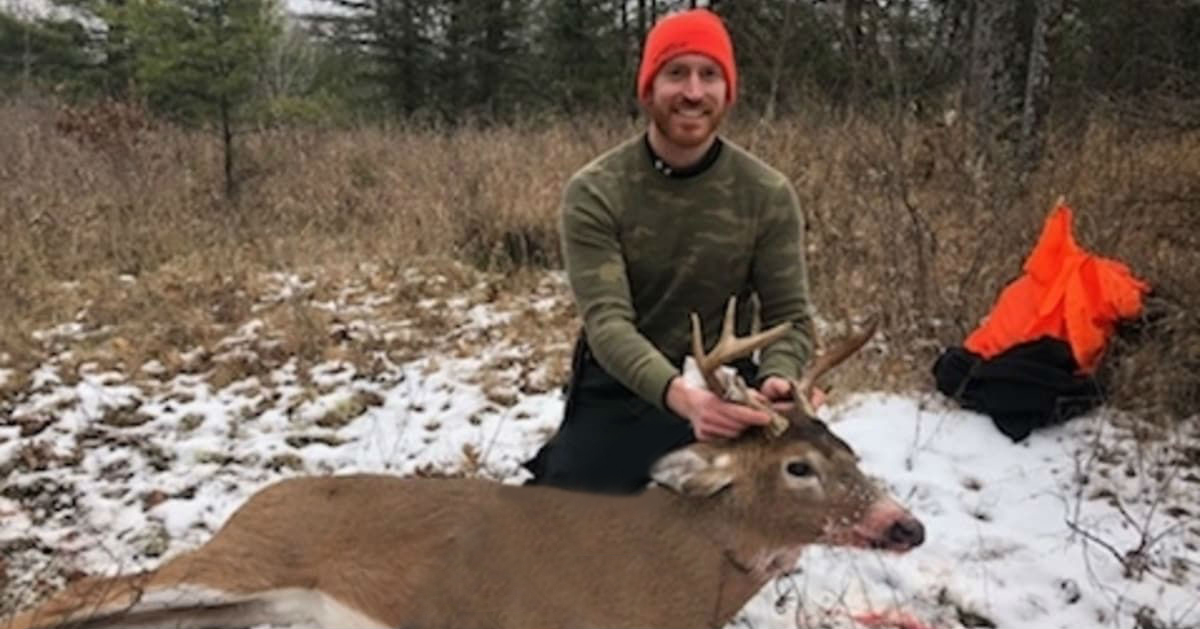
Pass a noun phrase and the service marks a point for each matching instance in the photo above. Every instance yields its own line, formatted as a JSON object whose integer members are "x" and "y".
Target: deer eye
{"x": 800, "y": 469}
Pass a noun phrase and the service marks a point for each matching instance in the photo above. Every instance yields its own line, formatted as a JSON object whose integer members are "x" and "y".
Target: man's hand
{"x": 711, "y": 417}
{"x": 778, "y": 392}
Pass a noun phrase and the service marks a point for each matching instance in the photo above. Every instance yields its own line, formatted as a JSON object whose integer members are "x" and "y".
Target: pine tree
{"x": 197, "y": 60}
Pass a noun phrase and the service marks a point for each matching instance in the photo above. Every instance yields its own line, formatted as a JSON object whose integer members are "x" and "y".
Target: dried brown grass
{"x": 900, "y": 223}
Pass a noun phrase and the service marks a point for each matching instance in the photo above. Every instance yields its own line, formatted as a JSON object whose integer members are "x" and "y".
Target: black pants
{"x": 609, "y": 437}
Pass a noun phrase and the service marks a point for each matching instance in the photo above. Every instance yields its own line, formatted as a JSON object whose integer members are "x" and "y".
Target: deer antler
{"x": 729, "y": 348}
{"x": 802, "y": 389}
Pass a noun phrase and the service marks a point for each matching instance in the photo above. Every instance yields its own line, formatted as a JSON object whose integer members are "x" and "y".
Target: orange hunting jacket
{"x": 1066, "y": 293}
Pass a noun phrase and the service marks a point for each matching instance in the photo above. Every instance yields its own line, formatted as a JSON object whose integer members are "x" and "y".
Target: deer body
{"x": 470, "y": 553}
{"x": 465, "y": 554}
{"x": 380, "y": 551}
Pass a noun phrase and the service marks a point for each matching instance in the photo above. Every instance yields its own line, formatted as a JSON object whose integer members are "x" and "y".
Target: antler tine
{"x": 802, "y": 388}
{"x": 729, "y": 348}
{"x": 710, "y": 362}
{"x": 710, "y": 378}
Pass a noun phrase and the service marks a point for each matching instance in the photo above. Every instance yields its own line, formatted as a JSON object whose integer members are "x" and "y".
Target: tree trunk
{"x": 227, "y": 140}
{"x": 1038, "y": 82}
{"x": 641, "y": 23}
{"x": 785, "y": 35}
{"x": 489, "y": 66}
{"x": 852, "y": 29}
{"x": 26, "y": 61}
{"x": 453, "y": 98}
{"x": 995, "y": 89}
{"x": 411, "y": 98}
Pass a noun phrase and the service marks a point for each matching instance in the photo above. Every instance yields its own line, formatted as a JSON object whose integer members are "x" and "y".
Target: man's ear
{"x": 697, "y": 470}
{"x": 646, "y": 98}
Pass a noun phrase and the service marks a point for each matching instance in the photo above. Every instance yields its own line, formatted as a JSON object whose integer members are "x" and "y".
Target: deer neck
{"x": 759, "y": 559}
{"x": 745, "y": 559}
{"x": 732, "y": 531}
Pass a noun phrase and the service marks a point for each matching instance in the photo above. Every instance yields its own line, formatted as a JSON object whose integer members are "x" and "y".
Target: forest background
{"x": 195, "y": 144}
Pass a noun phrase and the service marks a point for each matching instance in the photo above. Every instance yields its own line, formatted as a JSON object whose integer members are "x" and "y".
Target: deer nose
{"x": 906, "y": 533}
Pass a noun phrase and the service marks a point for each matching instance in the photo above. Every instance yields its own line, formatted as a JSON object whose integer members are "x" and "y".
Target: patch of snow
{"x": 154, "y": 368}
{"x": 65, "y": 330}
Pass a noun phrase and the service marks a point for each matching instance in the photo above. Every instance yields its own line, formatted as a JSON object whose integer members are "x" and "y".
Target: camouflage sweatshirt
{"x": 644, "y": 249}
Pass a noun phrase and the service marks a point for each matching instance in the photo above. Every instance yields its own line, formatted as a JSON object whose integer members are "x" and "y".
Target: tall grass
{"x": 900, "y": 222}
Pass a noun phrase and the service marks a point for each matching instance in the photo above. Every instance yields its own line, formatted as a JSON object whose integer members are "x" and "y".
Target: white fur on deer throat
{"x": 770, "y": 563}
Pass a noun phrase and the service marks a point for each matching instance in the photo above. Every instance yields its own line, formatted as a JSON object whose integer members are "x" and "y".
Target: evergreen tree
{"x": 198, "y": 60}
{"x": 40, "y": 53}
{"x": 585, "y": 57}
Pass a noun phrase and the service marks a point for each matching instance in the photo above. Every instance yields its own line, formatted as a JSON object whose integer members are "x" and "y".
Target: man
{"x": 670, "y": 222}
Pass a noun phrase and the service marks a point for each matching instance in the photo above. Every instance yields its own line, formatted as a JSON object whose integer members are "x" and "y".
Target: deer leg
{"x": 177, "y": 594}
{"x": 83, "y": 599}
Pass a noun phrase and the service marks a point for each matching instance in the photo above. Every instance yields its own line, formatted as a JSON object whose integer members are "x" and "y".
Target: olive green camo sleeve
{"x": 597, "y": 274}
{"x": 780, "y": 278}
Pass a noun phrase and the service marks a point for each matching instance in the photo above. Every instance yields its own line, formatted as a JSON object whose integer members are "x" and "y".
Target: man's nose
{"x": 693, "y": 88}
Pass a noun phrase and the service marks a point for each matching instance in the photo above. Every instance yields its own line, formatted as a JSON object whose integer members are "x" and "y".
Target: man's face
{"x": 687, "y": 99}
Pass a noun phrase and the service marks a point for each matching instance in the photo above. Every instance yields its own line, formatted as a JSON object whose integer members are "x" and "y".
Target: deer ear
{"x": 696, "y": 470}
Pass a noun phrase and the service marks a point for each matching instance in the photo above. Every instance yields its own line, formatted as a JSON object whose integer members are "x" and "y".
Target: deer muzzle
{"x": 885, "y": 525}
{"x": 889, "y": 526}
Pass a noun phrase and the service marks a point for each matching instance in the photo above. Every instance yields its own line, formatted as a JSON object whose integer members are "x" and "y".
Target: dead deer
{"x": 720, "y": 521}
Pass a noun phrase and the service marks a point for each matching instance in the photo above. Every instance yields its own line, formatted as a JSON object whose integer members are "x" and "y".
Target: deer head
{"x": 801, "y": 480}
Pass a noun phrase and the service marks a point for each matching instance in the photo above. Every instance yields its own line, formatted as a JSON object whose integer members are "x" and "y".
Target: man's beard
{"x": 689, "y": 138}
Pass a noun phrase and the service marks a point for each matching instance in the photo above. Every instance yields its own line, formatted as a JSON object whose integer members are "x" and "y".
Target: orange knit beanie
{"x": 694, "y": 31}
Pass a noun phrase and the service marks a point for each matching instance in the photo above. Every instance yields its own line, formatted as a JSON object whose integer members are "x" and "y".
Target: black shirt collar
{"x": 706, "y": 162}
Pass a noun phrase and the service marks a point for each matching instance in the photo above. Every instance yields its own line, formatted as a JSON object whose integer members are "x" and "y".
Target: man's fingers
{"x": 745, "y": 416}
{"x": 818, "y": 398}
{"x": 718, "y": 422}
{"x": 726, "y": 420}
{"x": 711, "y": 433}
{"x": 776, "y": 388}
{"x": 725, "y": 433}
{"x": 783, "y": 407}
{"x": 719, "y": 419}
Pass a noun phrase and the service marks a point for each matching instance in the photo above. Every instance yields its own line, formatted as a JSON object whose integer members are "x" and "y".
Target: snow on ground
{"x": 1022, "y": 535}
{"x": 1076, "y": 527}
